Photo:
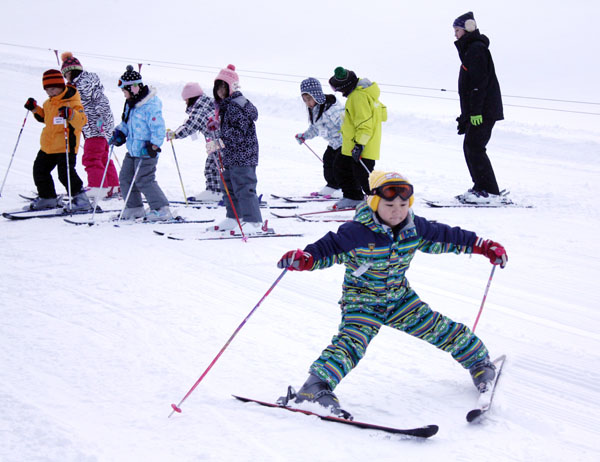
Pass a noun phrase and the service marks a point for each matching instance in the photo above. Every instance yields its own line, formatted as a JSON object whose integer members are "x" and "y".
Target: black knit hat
{"x": 130, "y": 77}
{"x": 466, "y": 22}
{"x": 343, "y": 80}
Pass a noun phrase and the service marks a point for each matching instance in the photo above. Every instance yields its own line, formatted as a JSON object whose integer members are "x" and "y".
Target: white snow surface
{"x": 102, "y": 328}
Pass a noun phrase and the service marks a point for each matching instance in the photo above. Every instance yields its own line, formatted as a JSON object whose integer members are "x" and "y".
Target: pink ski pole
{"x": 311, "y": 150}
{"x": 484, "y": 297}
{"x": 177, "y": 407}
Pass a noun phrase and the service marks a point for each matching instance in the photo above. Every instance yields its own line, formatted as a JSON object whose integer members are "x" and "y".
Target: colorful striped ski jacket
{"x": 376, "y": 261}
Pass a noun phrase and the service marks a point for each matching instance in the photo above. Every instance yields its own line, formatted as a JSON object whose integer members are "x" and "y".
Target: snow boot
{"x": 131, "y": 213}
{"x": 226, "y": 225}
{"x": 328, "y": 191}
{"x": 42, "y": 203}
{"x": 161, "y": 214}
{"x": 483, "y": 374}
{"x": 346, "y": 203}
{"x": 476, "y": 196}
{"x": 316, "y": 390}
{"x": 251, "y": 229}
{"x": 79, "y": 203}
{"x": 207, "y": 196}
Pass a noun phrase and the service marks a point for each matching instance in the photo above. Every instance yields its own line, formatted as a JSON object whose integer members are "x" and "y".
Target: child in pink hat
{"x": 235, "y": 119}
{"x": 199, "y": 108}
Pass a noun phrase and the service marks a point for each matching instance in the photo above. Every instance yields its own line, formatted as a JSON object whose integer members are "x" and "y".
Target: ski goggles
{"x": 390, "y": 191}
{"x": 128, "y": 83}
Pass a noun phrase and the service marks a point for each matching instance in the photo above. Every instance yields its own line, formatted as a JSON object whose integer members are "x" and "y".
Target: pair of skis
{"x": 484, "y": 404}
{"x": 221, "y": 236}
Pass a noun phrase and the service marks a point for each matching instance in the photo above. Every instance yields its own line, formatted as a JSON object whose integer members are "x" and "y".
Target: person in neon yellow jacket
{"x": 361, "y": 134}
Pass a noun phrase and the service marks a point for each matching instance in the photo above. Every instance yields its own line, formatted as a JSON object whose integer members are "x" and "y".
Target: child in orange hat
{"x": 377, "y": 248}
{"x": 63, "y": 104}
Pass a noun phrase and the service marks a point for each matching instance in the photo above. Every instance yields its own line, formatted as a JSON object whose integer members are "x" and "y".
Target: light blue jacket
{"x": 144, "y": 122}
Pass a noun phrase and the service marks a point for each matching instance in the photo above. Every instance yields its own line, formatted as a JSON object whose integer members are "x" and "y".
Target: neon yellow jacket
{"x": 362, "y": 120}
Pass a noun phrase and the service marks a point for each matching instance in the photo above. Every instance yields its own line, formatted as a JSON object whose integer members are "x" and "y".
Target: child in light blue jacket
{"x": 143, "y": 128}
{"x": 325, "y": 118}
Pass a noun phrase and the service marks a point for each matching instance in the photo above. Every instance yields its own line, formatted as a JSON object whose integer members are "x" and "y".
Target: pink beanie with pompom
{"x": 229, "y": 76}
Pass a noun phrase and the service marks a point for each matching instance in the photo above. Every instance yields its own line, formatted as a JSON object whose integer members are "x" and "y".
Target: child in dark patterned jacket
{"x": 234, "y": 118}
{"x": 377, "y": 248}
{"x": 200, "y": 108}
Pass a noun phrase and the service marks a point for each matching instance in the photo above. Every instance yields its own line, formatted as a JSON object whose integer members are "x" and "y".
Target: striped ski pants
{"x": 410, "y": 315}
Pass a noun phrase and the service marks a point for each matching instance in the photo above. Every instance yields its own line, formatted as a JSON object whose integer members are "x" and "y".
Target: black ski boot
{"x": 483, "y": 374}
{"x": 316, "y": 390}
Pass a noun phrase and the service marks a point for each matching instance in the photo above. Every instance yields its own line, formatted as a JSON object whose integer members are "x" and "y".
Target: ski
{"x": 210, "y": 236}
{"x": 456, "y": 203}
{"x": 115, "y": 219}
{"x": 485, "y": 399}
{"x": 35, "y": 196}
{"x": 297, "y": 215}
{"x": 215, "y": 205}
{"x": 305, "y": 198}
{"x": 420, "y": 432}
{"x": 48, "y": 213}
{"x": 322, "y": 220}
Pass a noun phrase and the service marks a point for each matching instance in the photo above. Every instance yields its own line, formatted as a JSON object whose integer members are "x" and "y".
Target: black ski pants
{"x": 478, "y": 162}
{"x": 42, "y": 174}
{"x": 329, "y": 158}
{"x": 352, "y": 176}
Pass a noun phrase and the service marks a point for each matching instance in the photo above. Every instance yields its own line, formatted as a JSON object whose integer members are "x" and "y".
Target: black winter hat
{"x": 343, "y": 80}
{"x": 466, "y": 22}
{"x": 130, "y": 77}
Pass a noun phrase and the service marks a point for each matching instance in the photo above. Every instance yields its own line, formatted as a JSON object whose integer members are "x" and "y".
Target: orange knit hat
{"x": 53, "y": 78}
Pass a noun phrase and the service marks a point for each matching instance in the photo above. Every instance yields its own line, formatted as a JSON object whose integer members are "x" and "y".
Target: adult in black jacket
{"x": 480, "y": 106}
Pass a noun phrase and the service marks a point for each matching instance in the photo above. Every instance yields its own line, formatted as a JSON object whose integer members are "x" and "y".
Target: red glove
{"x": 212, "y": 124}
{"x": 66, "y": 112}
{"x": 31, "y": 104}
{"x": 492, "y": 250}
{"x": 296, "y": 260}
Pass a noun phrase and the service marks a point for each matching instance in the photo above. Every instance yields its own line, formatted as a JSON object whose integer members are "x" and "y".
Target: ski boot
{"x": 43, "y": 203}
{"x": 79, "y": 203}
{"x": 316, "y": 390}
{"x": 483, "y": 374}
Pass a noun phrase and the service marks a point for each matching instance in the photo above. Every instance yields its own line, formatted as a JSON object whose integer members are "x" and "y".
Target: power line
{"x": 211, "y": 69}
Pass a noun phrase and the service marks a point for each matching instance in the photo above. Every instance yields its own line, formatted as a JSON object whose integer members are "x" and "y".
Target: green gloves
{"x": 476, "y": 120}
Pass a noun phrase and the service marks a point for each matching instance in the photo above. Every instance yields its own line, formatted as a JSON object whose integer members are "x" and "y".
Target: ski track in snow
{"x": 103, "y": 328}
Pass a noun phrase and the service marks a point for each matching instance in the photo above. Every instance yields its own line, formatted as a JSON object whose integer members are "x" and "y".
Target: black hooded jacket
{"x": 478, "y": 85}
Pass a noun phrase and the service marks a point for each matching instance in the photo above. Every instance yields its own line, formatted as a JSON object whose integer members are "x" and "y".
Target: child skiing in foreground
{"x": 143, "y": 128}
{"x": 235, "y": 117}
{"x": 376, "y": 248}
{"x": 63, "y": 116}
{"x": 200, "y": 108}
{"x": 325, "y": 118}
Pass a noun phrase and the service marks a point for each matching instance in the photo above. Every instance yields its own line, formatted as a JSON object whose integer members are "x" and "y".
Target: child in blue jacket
{"x": 143, "y": 128}
{"x": 377, "y": 248}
